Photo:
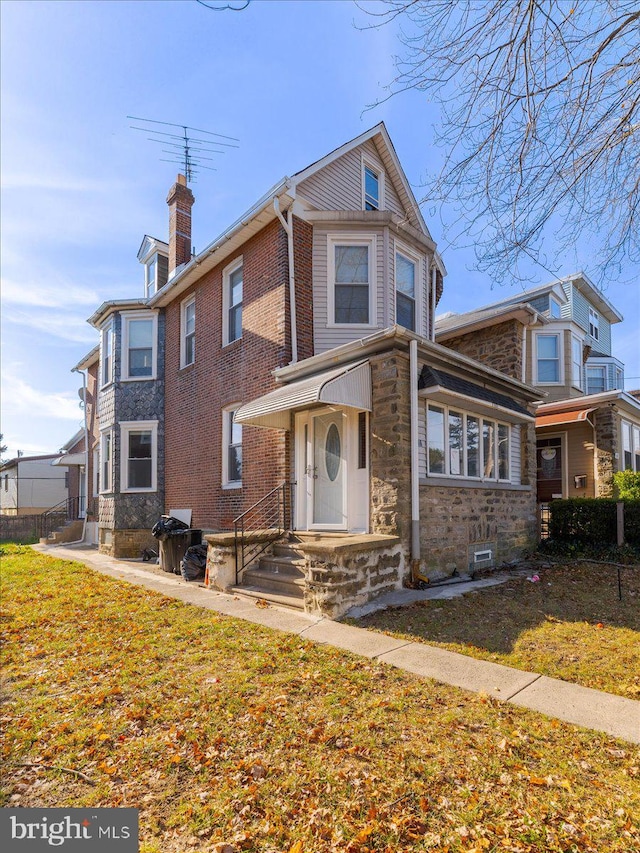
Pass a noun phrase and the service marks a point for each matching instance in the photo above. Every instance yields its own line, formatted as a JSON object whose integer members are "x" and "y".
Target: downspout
{"x": 415, "y": 474}
{"x": 288, "y": 227}
{"x": 86, "y": 456}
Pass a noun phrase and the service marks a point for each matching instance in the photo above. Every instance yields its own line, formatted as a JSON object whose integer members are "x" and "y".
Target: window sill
{"x": 189, "y": 366}
{"x": 462, "y": 482}
{"x": 150, "y": 491}
{"x": 237, "y": 485}
{"x": 138, "y": 378}
{"x": 231, "y": 343}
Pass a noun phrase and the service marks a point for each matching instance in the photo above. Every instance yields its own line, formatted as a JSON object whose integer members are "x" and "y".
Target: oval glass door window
{"x": 332, "y": 452}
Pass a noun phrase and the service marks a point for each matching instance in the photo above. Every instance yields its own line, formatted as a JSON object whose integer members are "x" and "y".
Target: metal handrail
{"x": 271, "y": 514}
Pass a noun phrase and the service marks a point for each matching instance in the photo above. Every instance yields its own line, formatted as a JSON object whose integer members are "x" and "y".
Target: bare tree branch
{"x": 540, "y": 129}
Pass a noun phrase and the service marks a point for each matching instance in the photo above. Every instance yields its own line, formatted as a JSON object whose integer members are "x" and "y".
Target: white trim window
{"x": 151, "y": 276}
{"x": 188, "y": 332}
{"x": 594, "y": 324}
{"x": 407, "y": 288}
{"x": 231, "y": 449}
{"x": 576, "y": 362}
{"x": 138, "y": 456}
{"x": 351, "y": 297}
{"x": 96, "y": 471}
{"x": 139, "y": 346}
{"x": 460, "y": 444}
{"x": 555, "y": 309}
{"x": 596, "y": 379}
{"x": 232, "y": 288}
{"x": 106, "y": 354}
{"x": 372, "y": 186}
{"x": 548, "y": 359}
{"x": 105, "y": 481}
{"x": 630, "y": 446}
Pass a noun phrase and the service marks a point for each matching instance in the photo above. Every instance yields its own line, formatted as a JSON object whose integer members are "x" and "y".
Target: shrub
{"x": 592, "y": 521}
{"x": 628, "y": 485}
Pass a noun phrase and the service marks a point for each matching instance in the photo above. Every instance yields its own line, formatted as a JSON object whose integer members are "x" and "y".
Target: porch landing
{"x": 317, "y": 572}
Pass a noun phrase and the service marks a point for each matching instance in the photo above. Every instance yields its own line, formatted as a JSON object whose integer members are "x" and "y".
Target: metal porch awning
{"x": 348, "y": 385}
{"x": 558, "y": 418}
{"x": 71, "y": 459}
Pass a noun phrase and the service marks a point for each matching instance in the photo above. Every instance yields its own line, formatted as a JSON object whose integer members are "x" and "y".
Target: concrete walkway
{"x": 572, "y": 703}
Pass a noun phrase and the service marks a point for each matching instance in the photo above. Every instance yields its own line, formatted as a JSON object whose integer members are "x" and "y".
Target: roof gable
{"x": 346, "y": 162}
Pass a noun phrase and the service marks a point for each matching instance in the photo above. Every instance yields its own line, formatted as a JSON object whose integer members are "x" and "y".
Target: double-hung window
{"x": 596, "y": 379}
{"x": 188, "y": 336}
{"x": 460, "y": 444}
{"x": 555, "y": 309}
{"x": 106, "y": 354}
{"x": 548, "y": 358}
{"x": 351, "y": 296}
{"x": 406, "y": 277}
{"x": 231, "y": 449}
{"x": 594, "y": 324}
{"x": 630, "y": 446}
{"x": 138, "y": 456}
{"x": 232, "y": 284}
{"x": 150, "y": 278}
{"x": 139, "y": 333}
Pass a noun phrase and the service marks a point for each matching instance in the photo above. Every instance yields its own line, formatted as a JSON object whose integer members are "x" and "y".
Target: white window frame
{"x": 106, "y": 482}
{"x": 151, "y": 287}
{"x": 594, "y": 324}
{"x": 603, "y": 370}
{"x": 368, "y": 163}
{"x": 369, "y": 240}
{"x": 107, "y": 341}
{"x": 560, "y": 357}
{"x": 576, "y": 364}
{"x": 452, "y": 408}
{"x": 226, "y": 299}
{"x": 227, "y": 414}
{"x": 184, "y": 307}
{"x": 126, "y": 428}
{"x": 556, "y": 304}
{"x": 96, "y": 471}
{"x": 127, "y": 317}
{"x": 416, "y": 260}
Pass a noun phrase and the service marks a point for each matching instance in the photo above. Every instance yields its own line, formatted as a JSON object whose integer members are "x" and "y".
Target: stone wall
{"x": 456, "y": 520}
{"x": 499, "y": 347}
{"x": 607, "y": 446}
{"x": 390, "y": 460}
{"x": 127, "y": 544}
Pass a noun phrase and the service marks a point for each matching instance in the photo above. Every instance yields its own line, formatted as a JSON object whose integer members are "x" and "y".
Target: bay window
{"x": 351, "y": 294}
{"x": 139, "y": 333}
{"x": 548, "y": 358}
{"x": 138, "y": 456}
{"x": 464, "y": 445}
{"x": 405, "y": 291}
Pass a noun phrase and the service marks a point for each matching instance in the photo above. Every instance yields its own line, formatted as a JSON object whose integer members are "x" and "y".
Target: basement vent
{"x": 482, "y": 556}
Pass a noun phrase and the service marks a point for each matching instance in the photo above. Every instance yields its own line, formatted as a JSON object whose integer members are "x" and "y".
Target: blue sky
{"x": 291, "y": 80}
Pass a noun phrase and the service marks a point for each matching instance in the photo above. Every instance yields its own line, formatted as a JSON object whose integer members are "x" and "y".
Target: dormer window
{"x": 594, "y": 324}
{"x": 151, "y": 276}
{"x": 555, "y": 310}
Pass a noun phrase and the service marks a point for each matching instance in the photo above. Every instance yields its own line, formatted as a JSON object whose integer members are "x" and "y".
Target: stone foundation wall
{"x": 337, "y": 581}
{"x": 125, "y": 544}
{"x": 455, "y": 521}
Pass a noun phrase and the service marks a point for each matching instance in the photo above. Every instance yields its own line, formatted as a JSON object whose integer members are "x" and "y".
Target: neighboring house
{"x": 74, "y": 460}
{"x": 297, "y": 347}
{"x": 557, "y": 338}
{"x": 30, "y": 485}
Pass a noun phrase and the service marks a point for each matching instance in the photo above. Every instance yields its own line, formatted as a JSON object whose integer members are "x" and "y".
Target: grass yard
{"x": 568, "y": 625}
{"x": 230, "y": 737}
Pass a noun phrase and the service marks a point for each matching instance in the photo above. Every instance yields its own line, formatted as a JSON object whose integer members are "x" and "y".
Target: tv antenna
{"x": 185, "y": 149}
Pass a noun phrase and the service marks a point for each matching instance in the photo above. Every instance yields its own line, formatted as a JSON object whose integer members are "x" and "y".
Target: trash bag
{"x": 166, "y": 526}
{"x": 194, "y": 563}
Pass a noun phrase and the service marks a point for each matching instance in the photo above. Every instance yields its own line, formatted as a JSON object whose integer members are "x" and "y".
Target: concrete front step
{"x": 289, "y": 564}
{"x": 270, "y": 581}
{"x": 281, "y": 599}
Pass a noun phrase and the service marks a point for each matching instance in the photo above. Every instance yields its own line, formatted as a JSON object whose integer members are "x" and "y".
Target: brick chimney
{"x": 180, "y": 201}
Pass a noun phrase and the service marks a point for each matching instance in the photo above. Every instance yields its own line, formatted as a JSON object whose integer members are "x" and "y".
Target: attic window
{"x": 372, "y": 187}
{"x": 554, "y": 308}
{"x": 151, "y": 276}
{"x": 594, "y": 324}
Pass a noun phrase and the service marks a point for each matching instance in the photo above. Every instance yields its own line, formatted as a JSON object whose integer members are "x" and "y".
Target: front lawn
{"x": 569, "y": 624}
{"x": 231, "y": 737}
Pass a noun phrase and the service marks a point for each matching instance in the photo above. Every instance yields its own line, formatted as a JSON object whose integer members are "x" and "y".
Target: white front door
{"x": 328, "y": 474}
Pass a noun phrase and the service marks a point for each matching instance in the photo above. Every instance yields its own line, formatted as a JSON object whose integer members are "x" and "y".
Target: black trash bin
{"x": 174, "y": 538}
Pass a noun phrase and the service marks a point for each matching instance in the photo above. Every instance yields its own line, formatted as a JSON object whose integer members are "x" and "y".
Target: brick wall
{"x": 499, "y": 347}
{"x": 303, "y": 264}
{"x": 222, "y": 376}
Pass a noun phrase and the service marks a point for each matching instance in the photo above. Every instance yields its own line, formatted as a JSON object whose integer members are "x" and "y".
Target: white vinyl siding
{"x": 338, "y": 186}
{"x": 580, "y": 315}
